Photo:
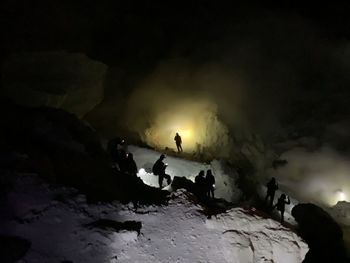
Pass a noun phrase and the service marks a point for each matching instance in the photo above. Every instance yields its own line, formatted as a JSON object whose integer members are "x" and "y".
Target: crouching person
{"x": 159, "y": 170}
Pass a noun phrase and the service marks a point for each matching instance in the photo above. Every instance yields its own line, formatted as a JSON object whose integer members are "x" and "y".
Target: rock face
{"x": 62, "y": 149}
{"x": 58, "y": 79}
{"x": 320, "y": 231}
{"x": 177, "y": 232}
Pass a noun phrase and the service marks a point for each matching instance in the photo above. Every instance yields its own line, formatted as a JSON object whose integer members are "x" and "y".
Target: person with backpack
{"x": 210, "y": 183}
{"x": 159, "y": 170}
{"x": 281, "y": 203}
{"x": 272, "y": 187}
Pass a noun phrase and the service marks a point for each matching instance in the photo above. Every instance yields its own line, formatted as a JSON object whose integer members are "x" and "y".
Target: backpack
{"x": 154, "y": 169}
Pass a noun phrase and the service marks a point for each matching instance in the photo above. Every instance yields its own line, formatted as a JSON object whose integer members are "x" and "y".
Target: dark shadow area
{"x": 211, "y": 206}
{"x": 320, "y": 231}
{"x": 13, "y": 248}
{"x": 62, "y": 149}
{"x": 107, "y": 224}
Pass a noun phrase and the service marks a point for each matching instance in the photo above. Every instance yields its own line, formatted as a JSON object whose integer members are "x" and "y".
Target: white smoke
{"x": 320, "y": 176}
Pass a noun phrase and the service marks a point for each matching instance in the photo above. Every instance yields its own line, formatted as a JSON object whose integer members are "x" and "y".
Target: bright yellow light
{"x": 338, "y": 197}
{"x": 197, "y": 124}
{"x": 341, "y": 196}
{"x": 185, "y": 134}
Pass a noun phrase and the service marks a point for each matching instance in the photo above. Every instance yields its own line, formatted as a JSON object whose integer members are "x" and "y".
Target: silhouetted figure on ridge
{"x": 281, "y": 203}
{"x": 210, "y": 184}
{"x": 178, "y": 142}
{"x": 159, "y": 169}
{"x": 271, "y": 189}
{"x": 130, "y": 165}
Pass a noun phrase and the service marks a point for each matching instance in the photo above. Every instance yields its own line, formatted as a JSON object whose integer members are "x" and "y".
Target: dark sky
{"x": 267, "y": 43}
{"x": 129, "y": 32}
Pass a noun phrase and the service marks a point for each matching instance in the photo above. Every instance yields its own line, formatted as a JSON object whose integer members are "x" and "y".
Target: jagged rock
{"x": 107, "y": 224}
{"x": 59, "y": 79}
{"x": 211, "y": 206}
{"x": 13, "y": 248}
{"x": 320, "y": 231}
{"x": 63, "y": 149}
{"x": 183, "y": 182}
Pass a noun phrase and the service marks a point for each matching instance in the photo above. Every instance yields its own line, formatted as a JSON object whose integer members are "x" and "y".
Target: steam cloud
{"x": 181, "y": 100}
{"x": 316, "y": 176}
{"x": 272, "y": 75}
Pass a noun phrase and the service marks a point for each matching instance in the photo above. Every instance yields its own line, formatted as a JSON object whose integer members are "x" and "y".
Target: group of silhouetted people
{"x": 282, "y": 201}
{"x": 122, "y": 160}
{"x": 205, "y": 184}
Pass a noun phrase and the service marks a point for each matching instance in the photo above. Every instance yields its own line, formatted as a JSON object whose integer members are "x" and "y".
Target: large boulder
{"x": 59, "y": 79}
{"x": 62, "y": 149}
{"x": 320, "y": 231}
{"x": 58, "y": 146}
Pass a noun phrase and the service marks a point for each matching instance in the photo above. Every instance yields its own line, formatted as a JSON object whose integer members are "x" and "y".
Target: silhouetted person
{"x": 122, "y": 161}
{"x": 117, "y": 148}
{"x": 159, "y": 169}
{"x": 200, "y": 181}
{"x": 281, "y": 203}
{"x": 210, "y": 183}
{"x": 271, "y": 190}
{"x": 130, "y": 165}
{"x": 178, "y": 142}
{"x": 112, "y": 148}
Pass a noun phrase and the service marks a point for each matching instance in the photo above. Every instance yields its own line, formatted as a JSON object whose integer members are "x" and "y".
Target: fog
{"x": 182, "y": 99}
{"x": 276, "y": 77}
{"x": 320, "y": 176}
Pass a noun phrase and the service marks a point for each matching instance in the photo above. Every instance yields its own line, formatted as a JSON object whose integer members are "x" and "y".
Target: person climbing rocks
{"x": 281, "y": 204}
{"x": 271, "y": 190}
{"x": 210, "y": 183}
{"x": 178, "y": 142}
{"x": 159, "y": 170}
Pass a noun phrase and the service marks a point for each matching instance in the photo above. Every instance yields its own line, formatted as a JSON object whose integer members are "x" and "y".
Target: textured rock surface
{"x": 178, "y": 232}
{"x": 322, "y": 233}
{"x": 59, "y": 79}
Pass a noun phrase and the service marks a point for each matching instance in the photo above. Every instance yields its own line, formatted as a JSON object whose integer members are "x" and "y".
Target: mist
{"x": 239, "y": 90}
{"x": 244, "y": 83}
{"x": 320, "y": 176}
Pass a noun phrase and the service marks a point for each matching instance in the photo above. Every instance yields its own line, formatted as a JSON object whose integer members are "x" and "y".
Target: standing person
{"x": 178, "y": 142}
{"x": 112, "y": 148}
{"x": 210, "y": 183}
{"x": 159, "y": 169}
{"x": 271, "y": 189}
{"x": 200, "y": 181}
{"x": 130, "y": 165}
{"x": 122, "y": 161}
{"x": 281, "y": 203}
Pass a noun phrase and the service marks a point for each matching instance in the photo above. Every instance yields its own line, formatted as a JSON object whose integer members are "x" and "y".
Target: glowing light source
{"x": 341, "y": 196}
{"x": 196, "y": 122}
{"x": 185, "y": 134}
{"x": 338, "y": 196}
